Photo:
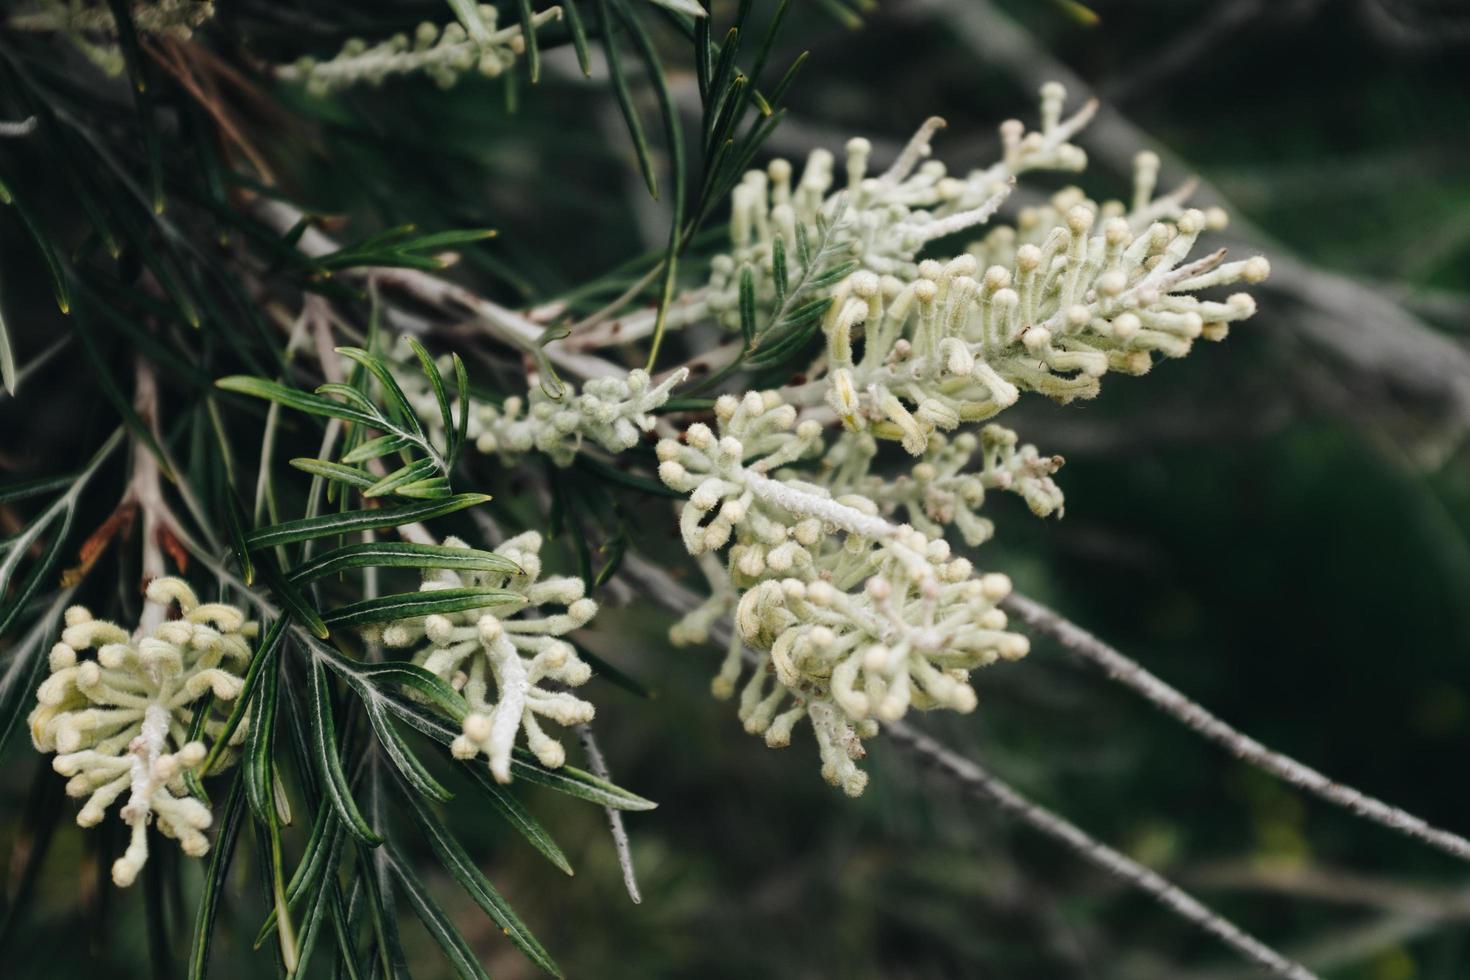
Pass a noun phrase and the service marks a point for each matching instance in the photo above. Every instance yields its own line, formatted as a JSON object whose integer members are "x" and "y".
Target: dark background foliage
{"x": 1271, "y": 525}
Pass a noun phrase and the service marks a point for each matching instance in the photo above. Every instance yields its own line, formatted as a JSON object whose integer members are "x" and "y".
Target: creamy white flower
{"x": 507, "y": 663}
{"x": 120, "y": 722}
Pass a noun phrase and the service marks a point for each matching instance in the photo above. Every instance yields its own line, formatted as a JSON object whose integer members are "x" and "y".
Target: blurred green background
{"x": 1276, "y": 525}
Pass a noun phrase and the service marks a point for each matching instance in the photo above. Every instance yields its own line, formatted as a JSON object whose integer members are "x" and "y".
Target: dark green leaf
{"x": 327, "y": 761}
{"x": 214, "y": 879}
{"x": 407, "y": 605}
{"x": 458, "y": 952}
{"x": 402, "y": 554}
{"x": 352, "y": 521}
{"x": 463, "y": 869}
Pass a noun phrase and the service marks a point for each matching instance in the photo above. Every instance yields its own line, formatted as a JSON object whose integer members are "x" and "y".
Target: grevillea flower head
{"x": 508, "y": 659}
{"x": 121, "y": 722}
{"x": 858, "y": 618}
{"x": 881, "y": 220}
{"x": 613, "y": 413}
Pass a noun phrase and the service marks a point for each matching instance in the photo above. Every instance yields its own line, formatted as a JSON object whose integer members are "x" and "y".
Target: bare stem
{"x": 614, "y": 818}
{"x": 978, "y": 781}
{"x": 1174, "y": 704}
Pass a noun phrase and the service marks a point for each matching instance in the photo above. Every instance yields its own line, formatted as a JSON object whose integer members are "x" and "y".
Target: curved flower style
{"x": 121, "y": 722}
{"x": 519, "y": 656}
{"x": 860, "y": 618}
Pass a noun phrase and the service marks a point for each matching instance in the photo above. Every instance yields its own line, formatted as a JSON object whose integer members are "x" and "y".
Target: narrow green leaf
{"x": 456, "y": 950}
{"x": 747, "y": 304}
{"x": 349, "y": 522}
{"x": 778, "y": 267}
{"x": 434, "y": 488}
{"x": 414, "y": 772}
{"x": 297, "y": 604}
{"x": 402, "y": 554}
{"x": 430, "y": 687}
{"x": 625, "y": 99}
{"x": 414, "y": 472}
{"x": 463, "y": 869}
{"x": 518, "y": 816}
{"x": 35, "y": 488}
{"x": 436, "y": 383}
{"x": 528, "y": 31}
{"x": 257, "y": 764}
{"x": 214, "y": 879}
{"x": 674, "y": 138}
{"x": 614, "y": 675}
{"x": 43, "y": 245}
{"x": 327, "y": 761}
{"x": 7, "y": 359}
{"x": 393, "y": 395}
{"x": 235, "y": 522}
{"x": 407, "y": 605}
{"x": 374, "y": 448}
{"x": 301, "y": 401}
{"x": 462, "y": 382}
{"x": 575, "y": 782}
{"x": 579, "y": 37}
{"x": 349, "y": 395}
{"x": 334, "y": 472}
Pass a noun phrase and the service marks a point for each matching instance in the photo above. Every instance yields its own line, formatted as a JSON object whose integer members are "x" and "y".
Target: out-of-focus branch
{"x": 1132, "y": 675}
{"x": 1337, "y": 887}
{"x": 1362, "y": 326}
{"x": 663, "y": 588}
{"x": 504, "y": 324}
{"x": 975, "y": 779}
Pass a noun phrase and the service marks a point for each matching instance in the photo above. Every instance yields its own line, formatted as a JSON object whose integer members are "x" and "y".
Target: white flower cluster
{"x": 499, "y": 652}
{"x": 884, "y": 220}
{"x": 120, "y": 723}
{"x": 443, "y": 54}
{"x": 613, "y": 413}
{"x": 918, "y": 346}
{"x": 947, "y": 487}
{"x": 92, "y": 27}
{"x": 860, "y": 618}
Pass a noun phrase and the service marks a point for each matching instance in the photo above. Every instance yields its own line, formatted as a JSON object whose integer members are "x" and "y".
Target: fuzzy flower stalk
{"x": 124, "y": 721}
{"x": 508, "y": 659}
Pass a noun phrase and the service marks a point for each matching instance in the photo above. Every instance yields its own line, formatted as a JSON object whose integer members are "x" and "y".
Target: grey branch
{"x": 663, "y": 588}
{"x": 1132, "y": 675}
{"x": 978, "y": 781}
{"x": 614, "y": 818}
{"x": 1364, "y": 328}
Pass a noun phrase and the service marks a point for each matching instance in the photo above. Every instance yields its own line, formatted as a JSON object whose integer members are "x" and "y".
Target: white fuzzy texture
{"x": 119, "y": 723}
{"x": 859, "y": 618}
{"x": 444, "y": 54}
{"x": 507, "y": 662}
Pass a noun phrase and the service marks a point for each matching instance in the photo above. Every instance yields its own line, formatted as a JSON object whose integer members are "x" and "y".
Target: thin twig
{"x": 614, "y": 818}
{"x": 977, "y": 780}
{"x": 664, "y": 589}
{"x": 1193, "y": 715}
